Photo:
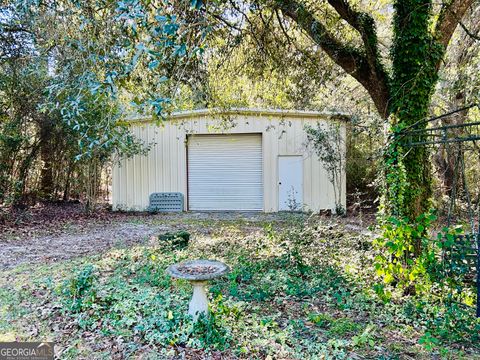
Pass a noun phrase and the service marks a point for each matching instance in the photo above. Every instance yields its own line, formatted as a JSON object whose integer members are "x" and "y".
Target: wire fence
{"x": 460, "y": 257}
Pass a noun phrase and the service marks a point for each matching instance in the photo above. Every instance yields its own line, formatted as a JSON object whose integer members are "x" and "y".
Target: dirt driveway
{"x": 90, "y": 240}
{"x": 44, "y": 239}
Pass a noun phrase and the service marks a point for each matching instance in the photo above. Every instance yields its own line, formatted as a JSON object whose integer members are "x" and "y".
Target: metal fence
{"x": 460, "y": 258}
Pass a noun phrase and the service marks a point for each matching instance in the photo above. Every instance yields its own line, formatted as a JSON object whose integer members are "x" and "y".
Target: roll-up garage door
{"x": 225, "y": 172}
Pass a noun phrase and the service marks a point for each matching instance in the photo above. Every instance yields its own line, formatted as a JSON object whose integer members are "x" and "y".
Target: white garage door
{"x": 225, "y": 172}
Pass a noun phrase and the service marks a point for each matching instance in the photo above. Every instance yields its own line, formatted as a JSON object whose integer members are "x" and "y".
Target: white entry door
{"x": 290, "y": 183}
{"x": 225, "y": 172}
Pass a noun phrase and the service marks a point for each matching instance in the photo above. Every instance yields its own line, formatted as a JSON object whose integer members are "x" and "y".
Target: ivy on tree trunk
{"x": 402, "y": 96}
{"x": 415, "y": 56}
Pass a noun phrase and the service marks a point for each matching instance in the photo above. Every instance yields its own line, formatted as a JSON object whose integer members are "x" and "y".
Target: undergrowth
{"x": 300, "y": 289}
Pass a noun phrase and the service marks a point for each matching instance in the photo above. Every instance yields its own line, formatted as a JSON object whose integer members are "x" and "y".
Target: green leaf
{"x": 196, "y": 4}
{"x": 153, "y": 64}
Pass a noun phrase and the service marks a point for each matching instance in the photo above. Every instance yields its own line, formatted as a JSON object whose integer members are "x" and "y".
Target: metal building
{"x": 239, "y": 159}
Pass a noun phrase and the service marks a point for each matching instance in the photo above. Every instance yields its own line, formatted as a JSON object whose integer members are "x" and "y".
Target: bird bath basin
{"x": 198, "y": 272}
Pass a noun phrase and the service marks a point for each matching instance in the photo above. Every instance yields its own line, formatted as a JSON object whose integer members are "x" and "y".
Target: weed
{"x": 343, "y": 326}
{"x": 323, "y": 320}
{"x": 428, "y": 341}
{"x": 366, "y": 338}
{"x": 79, "y": 291}
{"x": 285, "y": 276}
{"x": 175, "y": 240}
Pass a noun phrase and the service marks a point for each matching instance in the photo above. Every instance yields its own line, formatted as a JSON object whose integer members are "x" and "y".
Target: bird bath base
{"x": 199, "y": 303}
{"x": 198, "y": 272}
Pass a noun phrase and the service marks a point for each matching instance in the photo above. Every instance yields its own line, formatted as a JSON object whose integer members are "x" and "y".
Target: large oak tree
{"x": 400, "y": 81}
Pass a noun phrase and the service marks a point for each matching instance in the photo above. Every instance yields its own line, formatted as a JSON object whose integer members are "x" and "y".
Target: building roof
{"x": 248, "y": 111}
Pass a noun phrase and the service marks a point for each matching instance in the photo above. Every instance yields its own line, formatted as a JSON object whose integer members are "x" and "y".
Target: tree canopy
{"x": 94, "y": 62}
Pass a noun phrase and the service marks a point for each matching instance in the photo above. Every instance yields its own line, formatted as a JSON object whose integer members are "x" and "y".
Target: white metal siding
{"x": 164, "y": 168}
{"x": 225, "y": 172}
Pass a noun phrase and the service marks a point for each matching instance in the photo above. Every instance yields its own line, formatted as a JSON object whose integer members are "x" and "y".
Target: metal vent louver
{"x": 166, "y": 202}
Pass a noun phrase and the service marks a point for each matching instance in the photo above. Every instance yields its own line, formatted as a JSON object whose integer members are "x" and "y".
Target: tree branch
{"x": 14, "y": 29}
{"x": 450, "y": 16}
{"x": 364, "y": 24}
{"x": 469, "y": 33}
{"x": 348, "y": 58}
{"x": 280, "y": 23}
{"x": 364, "y": 66}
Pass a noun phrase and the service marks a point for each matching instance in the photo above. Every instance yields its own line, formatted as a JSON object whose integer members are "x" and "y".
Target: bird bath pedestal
{"x": 198, "y": 272}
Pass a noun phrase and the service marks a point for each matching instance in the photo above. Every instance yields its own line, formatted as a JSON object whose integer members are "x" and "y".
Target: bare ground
{"x": 59, "y": 232}
{"x": 51, "y": 233}
{"x": 90, "y": 240}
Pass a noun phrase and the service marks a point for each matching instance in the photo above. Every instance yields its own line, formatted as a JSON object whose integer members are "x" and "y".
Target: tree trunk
{"x": 91, "y": 183}
{"x": 68, "y": 176}
{"x": 19, "y": 198}
{"x": 445, "y": 158}
{"x": 416, "y": 55}
{"x": 404, "y": 97}
{"x": 46, "y": 154}
{"x": 445, "y": 163}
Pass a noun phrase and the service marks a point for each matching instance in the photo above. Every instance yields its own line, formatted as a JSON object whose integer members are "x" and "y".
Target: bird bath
{"x": 198, "y": 272}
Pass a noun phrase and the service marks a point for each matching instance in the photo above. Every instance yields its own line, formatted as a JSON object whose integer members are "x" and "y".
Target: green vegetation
{"x": 67, "y": 89}
{"x": 72, "y": 72}
{"x": 178, "y": 239}
{"x": 298, "y": 289}
{"x": 328, "y": 145}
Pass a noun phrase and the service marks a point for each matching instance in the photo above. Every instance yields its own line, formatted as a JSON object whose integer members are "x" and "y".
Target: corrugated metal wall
{"x": 164, "y": 169}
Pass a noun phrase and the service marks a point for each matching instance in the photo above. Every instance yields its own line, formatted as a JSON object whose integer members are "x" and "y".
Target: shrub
{"x": 175, "y": 240}
{"x": 79, "y": 291}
